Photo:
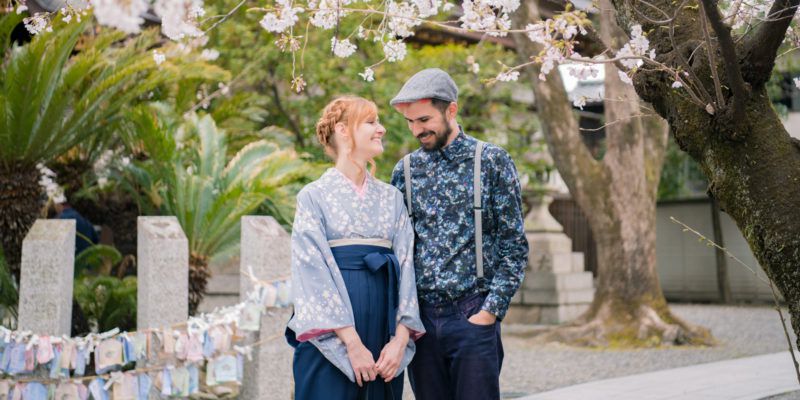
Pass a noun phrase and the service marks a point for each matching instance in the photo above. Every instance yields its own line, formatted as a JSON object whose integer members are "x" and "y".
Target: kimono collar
{"x": 462, "y": 148}
{"x": 360, "y": 190}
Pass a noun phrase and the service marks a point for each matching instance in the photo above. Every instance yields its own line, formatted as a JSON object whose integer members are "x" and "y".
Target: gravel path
{"x": 742, "y": 331}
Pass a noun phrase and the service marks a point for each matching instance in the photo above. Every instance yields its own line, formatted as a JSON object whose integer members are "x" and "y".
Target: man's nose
{"x": 417, "y": 129}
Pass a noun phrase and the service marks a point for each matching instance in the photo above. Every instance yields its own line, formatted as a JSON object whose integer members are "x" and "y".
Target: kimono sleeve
{"x": 403, "y": 245}
{"x": 320, "y": 299}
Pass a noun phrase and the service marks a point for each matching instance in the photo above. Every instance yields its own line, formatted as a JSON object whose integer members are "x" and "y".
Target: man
{"x": 463, "y": 294}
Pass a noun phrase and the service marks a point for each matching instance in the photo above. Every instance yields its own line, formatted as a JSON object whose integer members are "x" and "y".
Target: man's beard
{"x": 441, "y": 139}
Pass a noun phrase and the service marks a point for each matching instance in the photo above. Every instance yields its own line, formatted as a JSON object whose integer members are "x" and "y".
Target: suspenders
{"x": 476, "y": 204}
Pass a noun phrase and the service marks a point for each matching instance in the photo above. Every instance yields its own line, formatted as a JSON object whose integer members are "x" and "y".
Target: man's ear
{"x": 451, "y": 111}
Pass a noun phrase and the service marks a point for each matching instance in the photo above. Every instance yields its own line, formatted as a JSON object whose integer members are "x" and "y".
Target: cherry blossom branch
{"x": 617, "y": 121}
{"x": 225, "y": 17}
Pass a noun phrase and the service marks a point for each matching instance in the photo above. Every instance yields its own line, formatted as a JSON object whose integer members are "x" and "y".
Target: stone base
{"x": 269, "y": 375}
{"x": 543, "y": 314}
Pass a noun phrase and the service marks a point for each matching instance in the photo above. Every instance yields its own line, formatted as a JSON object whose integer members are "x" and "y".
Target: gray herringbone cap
{"x": 431, "y": 83}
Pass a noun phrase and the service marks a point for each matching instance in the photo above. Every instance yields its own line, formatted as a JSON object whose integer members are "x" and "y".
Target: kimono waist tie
{"x": 374, "y": 258}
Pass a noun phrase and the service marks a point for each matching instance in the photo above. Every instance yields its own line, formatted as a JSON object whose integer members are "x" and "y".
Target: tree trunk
{"x": 198, "y": 280}
{"x": 20, "y": 204}
{"x": 618, "y": 196}
{"x": 751, "y": 162}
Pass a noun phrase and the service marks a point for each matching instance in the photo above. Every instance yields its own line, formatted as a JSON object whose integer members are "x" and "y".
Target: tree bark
{"x": 618, "y": 196}
{"x": 20, "y": 203}
{"x": 756, "y": 178}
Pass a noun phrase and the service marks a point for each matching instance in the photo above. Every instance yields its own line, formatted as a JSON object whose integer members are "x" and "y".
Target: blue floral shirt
{"x": 443, "y": 219}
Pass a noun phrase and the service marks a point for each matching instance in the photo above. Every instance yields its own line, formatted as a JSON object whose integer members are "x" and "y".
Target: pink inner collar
{"x": 361, "y": 190}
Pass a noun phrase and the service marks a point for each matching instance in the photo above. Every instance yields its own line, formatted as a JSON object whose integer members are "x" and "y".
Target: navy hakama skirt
{"x": 371, "y": 275}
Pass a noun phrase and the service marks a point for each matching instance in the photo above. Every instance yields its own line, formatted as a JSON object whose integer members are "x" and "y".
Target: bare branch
{"x": 729, "y": 57}
{"x": 762, "y": 47}
{"x": 712, "y": 60}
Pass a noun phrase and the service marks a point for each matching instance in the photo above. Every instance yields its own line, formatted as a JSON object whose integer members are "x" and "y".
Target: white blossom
{"x": 159, "y": 57}
{"x": 797, "y": 82}
{"x": 624, "y": 77}
{"x": 209, "y": 54}
{"x": 125, "y": 16}
{"x": 368, "y": 74}
{"x": 197, "y": 11}
{"x": 394, "y": 50}
{"x": 508, "y": 76}
{"x": 427, "y": 8}
{"x": 177, "y": 20}
{"x": 403, "y": 18}
{"x": 224, "y": 89}
{"x": 637, "y": 47}
{"x": 21, "y": 9}
{"x": 327, "y": 16}
{"x": 51, "y": 187}
{"x": 284, "y": 19}
{"x": 447, "y": 7}
{"x": 342, "y": 48}
{"x": 475, "y": 68}
{"x": 677, "y": 84}
{"x": 36, "y": 24}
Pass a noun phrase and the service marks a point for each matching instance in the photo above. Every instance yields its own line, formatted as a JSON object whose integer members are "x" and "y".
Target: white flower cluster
{"x": 328, "y": 15}
{"x": 638, "y": 47}
{"x": 508, "y": 76}
{"x": 37, "y": 23}
{"x": 47, "y": 180}
{"x": 488, "y": 15}
{"x": 282, "y": 20}
{"x": 583, "y": 71}
{"x": 103, "y": 166}
{"x": 368, "y": 74}
{"x": 342, "y": 48}
{"x": 403, "y": 17}
{"x": 179, "y": 18}
{"x": 159, "y": 57}
{"x": 122, "y": 15}
{"x": 558, "y": 36}
{"x": 394, "y": 50}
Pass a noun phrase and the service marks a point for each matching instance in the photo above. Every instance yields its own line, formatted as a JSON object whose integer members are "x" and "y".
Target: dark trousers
{"x": 456, "y": 359}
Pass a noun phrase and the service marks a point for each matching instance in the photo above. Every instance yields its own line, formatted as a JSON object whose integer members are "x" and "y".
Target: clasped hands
{"x": 366, "y": 369}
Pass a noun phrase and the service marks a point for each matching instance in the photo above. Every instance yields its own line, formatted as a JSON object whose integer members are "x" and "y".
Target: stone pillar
{"x": 556, "y": 288}
{"x": 45, "y": 291}
{"x": 266, "y": 249}
{"x": 162, "y": 273}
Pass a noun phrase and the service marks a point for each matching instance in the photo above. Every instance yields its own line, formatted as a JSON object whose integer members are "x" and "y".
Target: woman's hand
{"x": 392, "y": 354}
{"x": 360, "y": 357}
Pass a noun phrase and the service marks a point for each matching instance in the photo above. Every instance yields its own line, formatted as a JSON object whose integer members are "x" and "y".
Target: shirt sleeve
{"x": 506, "y": 203}
{"x": 320, "y": 299}
{"x": 403, "y": 245}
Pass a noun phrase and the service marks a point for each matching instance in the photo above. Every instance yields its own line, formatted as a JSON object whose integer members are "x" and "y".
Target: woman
{"x": 353, "y": 288}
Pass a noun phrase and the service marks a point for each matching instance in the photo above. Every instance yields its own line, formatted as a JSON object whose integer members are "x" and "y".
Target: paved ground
{"x": 742, "y": 331}
{"x": 749, "y": 378}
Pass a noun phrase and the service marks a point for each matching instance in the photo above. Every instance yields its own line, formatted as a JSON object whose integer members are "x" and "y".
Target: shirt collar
{"x": 462, "y": 147}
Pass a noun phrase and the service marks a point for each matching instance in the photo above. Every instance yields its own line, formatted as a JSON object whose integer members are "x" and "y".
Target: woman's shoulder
{"x": 386, "y": 188}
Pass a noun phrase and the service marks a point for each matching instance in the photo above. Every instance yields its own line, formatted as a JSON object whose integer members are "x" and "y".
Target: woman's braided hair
{"x": 349, "y": 110}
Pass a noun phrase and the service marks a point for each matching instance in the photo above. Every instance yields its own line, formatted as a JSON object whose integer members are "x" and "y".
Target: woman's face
{"x": 368, "y": 139}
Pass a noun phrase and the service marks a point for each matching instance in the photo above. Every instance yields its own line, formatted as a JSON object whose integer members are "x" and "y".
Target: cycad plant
{"x": 66, "y": 87}
{"x": 187, "y": 174}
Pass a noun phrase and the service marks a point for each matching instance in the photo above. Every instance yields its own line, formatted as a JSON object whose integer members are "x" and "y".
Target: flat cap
{"x": 431, "y": 83}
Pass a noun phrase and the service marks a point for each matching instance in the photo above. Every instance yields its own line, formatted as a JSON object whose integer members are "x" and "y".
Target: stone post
{"x": 162, "y": 273}
{"x": 556, "y": 288}
{"x": 45, "y": 291}
{"x": 266, "y": 249}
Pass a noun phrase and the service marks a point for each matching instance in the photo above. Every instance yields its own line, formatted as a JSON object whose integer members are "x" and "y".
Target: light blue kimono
{"x": 330, "y": 212}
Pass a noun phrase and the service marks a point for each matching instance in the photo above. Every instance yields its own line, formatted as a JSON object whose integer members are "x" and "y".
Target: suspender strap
{"x": 407, "y": 175}
{"x": 477, "y": 207}
{"x": 478, "y": 211}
